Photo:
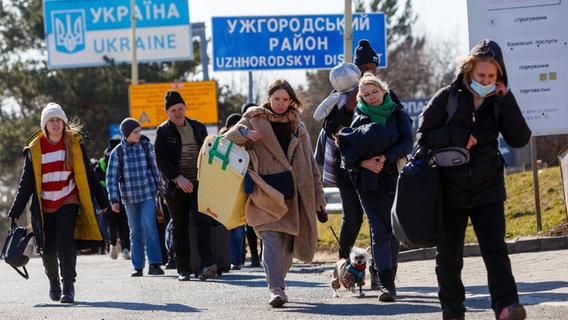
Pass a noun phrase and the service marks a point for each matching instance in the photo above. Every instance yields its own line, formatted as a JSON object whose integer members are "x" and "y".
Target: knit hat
{"x": 52, "y": 110}
{"x": 172, "y": 97}
{"x": 246, "y": 106}
{"x": 365, "y": 54}
{"x": 344, "y": 77}
{"x": 127, "y": 126}
{"x": 232, "y": 119}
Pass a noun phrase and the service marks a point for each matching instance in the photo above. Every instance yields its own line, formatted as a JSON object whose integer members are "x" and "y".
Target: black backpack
{"x": 14, "y": 247}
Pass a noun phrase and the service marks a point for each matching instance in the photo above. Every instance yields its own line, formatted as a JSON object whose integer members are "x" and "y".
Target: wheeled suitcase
{"x": 221, "y": 243}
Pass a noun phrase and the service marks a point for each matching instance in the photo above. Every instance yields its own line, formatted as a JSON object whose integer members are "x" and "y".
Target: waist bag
{"x": 281, "y": 181}
{"x": 450, "y": 156}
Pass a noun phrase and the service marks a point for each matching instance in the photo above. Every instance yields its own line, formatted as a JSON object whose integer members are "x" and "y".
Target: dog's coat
{"x": 348, "y": 275}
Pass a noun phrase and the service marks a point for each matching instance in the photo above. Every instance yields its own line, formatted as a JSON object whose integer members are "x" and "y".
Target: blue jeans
{"x": 237, "y": 245}
{"x": 143, "y": 229}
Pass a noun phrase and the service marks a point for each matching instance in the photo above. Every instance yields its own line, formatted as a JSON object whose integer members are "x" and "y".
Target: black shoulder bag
{"x": 14, "y": 249}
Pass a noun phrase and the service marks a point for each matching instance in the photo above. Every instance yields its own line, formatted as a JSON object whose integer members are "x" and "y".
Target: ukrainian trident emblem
{"x": 69, "y": 29}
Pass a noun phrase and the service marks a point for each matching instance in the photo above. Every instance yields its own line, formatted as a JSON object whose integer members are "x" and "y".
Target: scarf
{"x": 380, "y": 113}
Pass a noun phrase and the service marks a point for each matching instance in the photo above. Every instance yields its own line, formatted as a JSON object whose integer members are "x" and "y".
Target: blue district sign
{"x": 291, "y": 42}
{"x": 91, "y": 32}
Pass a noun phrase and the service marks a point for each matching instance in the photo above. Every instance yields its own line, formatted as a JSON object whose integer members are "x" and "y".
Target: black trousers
{"x": 489, "y": 224}
{"x": 118, "y": 227}
{"x": 353, "y": 213}
{"x": 58, "y": 229}
{"x": 183, "y": 207}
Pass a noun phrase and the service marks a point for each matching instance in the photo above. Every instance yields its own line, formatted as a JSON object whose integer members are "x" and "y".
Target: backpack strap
{"x": 120, "y": 154}
{"x": 451, "y": 106}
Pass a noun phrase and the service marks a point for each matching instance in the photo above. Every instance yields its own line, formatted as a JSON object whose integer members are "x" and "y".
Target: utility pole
{"x": 347, "y": 32}
{"x": 134, "y": 64}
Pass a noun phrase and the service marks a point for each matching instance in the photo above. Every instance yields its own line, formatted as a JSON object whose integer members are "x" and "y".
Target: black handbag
{"x": 282, "y": 181}
{"x": 417, "y": 211}
{"x": 14, "y": 249}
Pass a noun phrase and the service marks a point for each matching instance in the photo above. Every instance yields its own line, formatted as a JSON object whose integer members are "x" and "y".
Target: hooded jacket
{"x": 266, "y": 209}
{"x": 481, "y": 181}
{"x": 88, "y": 185}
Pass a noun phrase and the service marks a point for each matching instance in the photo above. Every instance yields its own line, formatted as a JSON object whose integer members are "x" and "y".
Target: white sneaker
{"x": 126, "y": 254}
{"x": 277, "y": 297}
{"x": 113, "y": 252}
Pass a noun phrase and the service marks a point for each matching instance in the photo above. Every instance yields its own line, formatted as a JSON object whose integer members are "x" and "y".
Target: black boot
{"x": 374, "y": 277}
{"x": 68, "y": 293}
{"x": 387, "y": 286}
{"x": 54, "y": 289}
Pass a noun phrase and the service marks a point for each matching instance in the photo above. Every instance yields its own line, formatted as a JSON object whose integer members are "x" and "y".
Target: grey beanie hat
{"x": 127, "y": 126}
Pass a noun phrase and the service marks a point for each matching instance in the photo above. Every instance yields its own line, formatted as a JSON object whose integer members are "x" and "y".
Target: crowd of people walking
{"x": 147, "y": 191}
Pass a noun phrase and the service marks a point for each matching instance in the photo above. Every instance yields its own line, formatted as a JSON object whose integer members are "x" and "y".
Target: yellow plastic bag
{"x": 222, "y": 168}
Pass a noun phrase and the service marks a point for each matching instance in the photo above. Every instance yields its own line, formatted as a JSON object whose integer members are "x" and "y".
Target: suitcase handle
{"x": 214, "y": 153}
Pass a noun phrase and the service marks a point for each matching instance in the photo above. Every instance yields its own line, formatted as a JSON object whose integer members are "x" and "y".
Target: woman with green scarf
{"x": 377, "y": 104}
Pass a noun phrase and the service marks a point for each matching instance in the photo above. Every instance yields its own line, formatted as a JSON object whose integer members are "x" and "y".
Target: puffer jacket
{"x": 481, "y": 181}
{"x": 398, "y": 121}
{"x": 87, "y": 232}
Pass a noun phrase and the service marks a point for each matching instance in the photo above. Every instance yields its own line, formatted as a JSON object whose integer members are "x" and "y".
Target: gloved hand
{"x": 322, "y": 215}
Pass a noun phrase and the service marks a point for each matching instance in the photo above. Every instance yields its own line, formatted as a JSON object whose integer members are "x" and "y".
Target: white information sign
{"x": 534, "y": 38}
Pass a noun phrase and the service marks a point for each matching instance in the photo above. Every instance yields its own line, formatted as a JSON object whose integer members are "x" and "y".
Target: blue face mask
{"x": 480, "y": 89}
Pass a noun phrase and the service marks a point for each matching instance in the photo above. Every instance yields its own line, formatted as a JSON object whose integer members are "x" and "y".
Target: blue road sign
{"x": 92, "y": 32}
{"x": 291, "y": 42}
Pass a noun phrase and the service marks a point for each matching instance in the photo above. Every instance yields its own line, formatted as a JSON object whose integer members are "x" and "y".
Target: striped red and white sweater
{"x": 57, "y": 183}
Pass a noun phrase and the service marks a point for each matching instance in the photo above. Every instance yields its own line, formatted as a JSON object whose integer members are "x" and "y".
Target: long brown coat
{"x": 266, "y": 208}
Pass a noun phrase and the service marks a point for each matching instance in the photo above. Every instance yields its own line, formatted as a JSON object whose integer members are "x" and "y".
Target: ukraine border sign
{"x": 93, "y": 32}
{"x": 291, "y": 42}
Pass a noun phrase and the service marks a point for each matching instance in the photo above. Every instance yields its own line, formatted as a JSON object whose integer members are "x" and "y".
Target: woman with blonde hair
{"x": 61, "y": 183}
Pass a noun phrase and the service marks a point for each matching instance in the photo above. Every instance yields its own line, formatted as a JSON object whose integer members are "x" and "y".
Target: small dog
{"x": 350, "y": 272}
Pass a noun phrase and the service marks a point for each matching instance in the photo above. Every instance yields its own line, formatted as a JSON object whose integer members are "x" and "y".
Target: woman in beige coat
{"x": 279, "y": 144}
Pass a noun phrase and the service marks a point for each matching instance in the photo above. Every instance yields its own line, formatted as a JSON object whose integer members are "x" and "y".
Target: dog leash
{"x": 336, "y": 238}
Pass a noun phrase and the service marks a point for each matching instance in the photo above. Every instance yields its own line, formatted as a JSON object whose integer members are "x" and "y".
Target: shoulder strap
{"x": 451, "y": 106}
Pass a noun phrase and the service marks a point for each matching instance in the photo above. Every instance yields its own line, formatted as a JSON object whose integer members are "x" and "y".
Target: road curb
{"x": 472, "y": 250}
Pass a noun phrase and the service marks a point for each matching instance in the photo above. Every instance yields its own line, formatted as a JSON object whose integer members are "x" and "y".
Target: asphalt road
{"x": 105, "y": 291}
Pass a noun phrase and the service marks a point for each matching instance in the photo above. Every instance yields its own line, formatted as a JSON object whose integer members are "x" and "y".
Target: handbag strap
{"x": 451, "y": 106}
{"x": 213, "y": 152}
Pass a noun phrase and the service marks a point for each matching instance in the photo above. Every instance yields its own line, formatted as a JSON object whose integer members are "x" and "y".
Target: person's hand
{"x": 184, "y": 184}
{"x": 115, "y": 207}
{"x": 501, "y": 89}
{"x": 322, "y": 215}
{"x": 253, "y": 135}
{"x": 374, "y": 164}
{"x": 471, "y": 142}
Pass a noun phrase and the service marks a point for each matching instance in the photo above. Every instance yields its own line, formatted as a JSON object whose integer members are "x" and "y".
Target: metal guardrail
{"x": 333, "y": 200}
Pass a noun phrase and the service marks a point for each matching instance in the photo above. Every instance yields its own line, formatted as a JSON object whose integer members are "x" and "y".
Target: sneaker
{"x": 155, "y": 270}
{"x": 183, "y": 276}
{"x": 126, "y": 254}
{"x": 235, "y": 267}
{"x": 255, "y": 264}
{"x": 208, "y": 272}
{"x": 171, "y": 264}
{"x": 136, "y": 273}
{"x": 516, "y": 311}
{"x": 277, "y": 297}
{"x": 113, "y": 252}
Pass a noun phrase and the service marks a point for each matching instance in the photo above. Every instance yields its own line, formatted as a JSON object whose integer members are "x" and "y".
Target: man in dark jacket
{"x": 476, "y": 190}
{"x": 177, "y": 145}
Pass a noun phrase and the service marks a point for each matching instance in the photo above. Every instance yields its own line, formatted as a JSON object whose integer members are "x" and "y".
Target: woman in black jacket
{"x": 476, "y": 190}
{"x": 374, "y": 172}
